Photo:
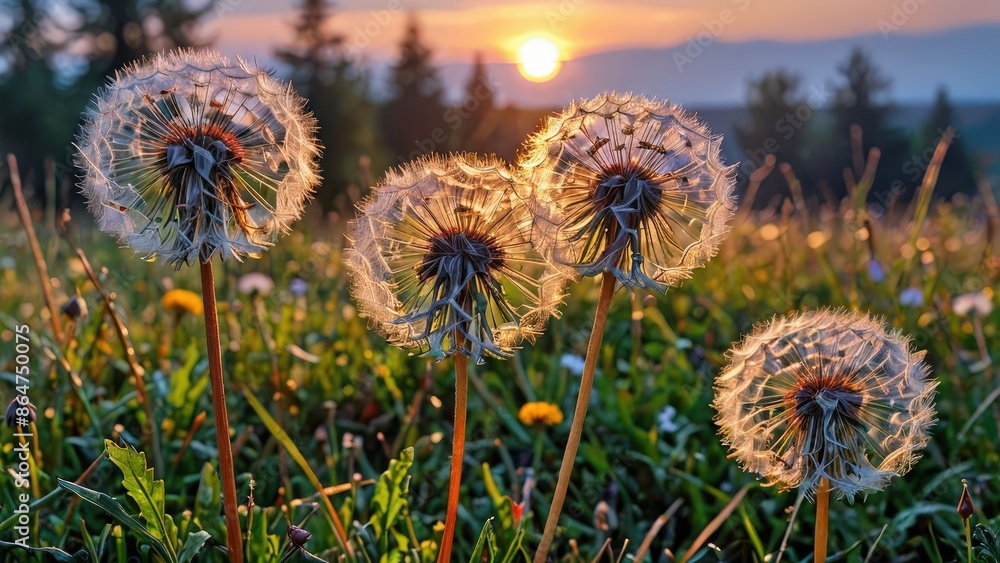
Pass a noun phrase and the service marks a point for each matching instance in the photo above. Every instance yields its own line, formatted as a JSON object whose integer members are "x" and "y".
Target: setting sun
{"x": 538, "y": 59}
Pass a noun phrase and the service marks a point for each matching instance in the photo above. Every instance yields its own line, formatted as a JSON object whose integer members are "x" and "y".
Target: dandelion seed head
{"x": 631, "y": 186}
{"x": 969, "y": 304}
{"x": 188, "y": 155}
{"x": 825, "y": 394}
{"x": 441, "y": 249}
{"x": 257, "y": 283}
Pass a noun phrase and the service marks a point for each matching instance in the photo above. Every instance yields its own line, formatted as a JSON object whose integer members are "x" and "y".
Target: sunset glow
{"x": 538, "y": 59}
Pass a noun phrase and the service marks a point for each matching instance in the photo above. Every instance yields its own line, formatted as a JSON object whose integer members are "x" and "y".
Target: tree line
{"x": 54, "y": 57}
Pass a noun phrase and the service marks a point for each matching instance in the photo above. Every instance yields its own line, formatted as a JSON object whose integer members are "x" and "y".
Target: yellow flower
{"x": 183, "y": 300}
{"x": 540, "y": 413}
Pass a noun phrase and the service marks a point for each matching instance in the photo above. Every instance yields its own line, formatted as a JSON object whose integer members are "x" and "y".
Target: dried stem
{"x": 233, "y": 532}
{"x": 36, "y": 250}
{"x": 822, "y": 521}
{"x": 150, "y": 435}
{"x": 582, "y": 402}
{"x": 457, "y": 450}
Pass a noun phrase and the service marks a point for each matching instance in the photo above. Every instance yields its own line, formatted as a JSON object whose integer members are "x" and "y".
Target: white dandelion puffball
{"x": 825, "y": 394}
{"x": 188, "y": 155}
{"x": 441, "y": 260}
{"x": 630, "y": 186}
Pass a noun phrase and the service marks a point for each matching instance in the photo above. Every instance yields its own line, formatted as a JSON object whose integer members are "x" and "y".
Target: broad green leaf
{"x": 261, "y": 546}
{"x": 208, "y": 501}
{"x": 195, "y": 541}
{"x": 389, "y": 499}
{"x": 146, "y": 492}
{"x": 116, "y": 511}
{"x": 184, "y": 389}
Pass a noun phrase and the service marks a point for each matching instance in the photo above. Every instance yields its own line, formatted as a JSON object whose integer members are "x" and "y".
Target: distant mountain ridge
{"x": 961, "y": 59}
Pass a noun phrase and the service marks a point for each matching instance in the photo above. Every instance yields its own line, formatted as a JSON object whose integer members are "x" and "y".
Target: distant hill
{"x": 918, "y": 64}
{"x": 978, "y": 124}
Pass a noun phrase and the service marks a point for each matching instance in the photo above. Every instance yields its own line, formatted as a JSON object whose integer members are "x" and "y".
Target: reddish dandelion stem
{"x": 457, "y": 451}
{"x": 231, "y": 503}
{"x": 582, "y": 402}
{"x": 822, "y": 520}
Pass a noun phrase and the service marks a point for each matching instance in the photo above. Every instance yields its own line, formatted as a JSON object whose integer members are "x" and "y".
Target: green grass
{"x": 351, "y": 403}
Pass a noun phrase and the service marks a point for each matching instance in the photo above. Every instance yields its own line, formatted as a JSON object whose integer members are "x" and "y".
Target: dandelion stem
{"x": 822, "y": 520}
{"x": 233, "y": 532}
{"x": 582, "y": 401}
{"x": 457, "y": 449}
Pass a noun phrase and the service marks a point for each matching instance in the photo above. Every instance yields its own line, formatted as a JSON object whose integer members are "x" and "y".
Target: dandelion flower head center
{"x": 441, "y": 259}
{"x": 456, "y": 255}
{"x": 188, "y": 156}
{"x": 825, "y": 396}
{"x": 629, "y": 186}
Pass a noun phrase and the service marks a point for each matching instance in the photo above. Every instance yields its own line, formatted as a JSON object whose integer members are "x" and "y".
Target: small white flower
{"x": 969, "y": 304}
{"x": 572, "y": 362}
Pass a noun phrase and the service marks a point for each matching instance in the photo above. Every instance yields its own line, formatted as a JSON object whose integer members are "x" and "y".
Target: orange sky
{"x": 455, "y": 29}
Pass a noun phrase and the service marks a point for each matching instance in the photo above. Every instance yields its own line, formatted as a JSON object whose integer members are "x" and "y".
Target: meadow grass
{"x": 351, "y": 407}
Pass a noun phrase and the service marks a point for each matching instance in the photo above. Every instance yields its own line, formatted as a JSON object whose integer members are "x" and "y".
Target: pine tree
{"x": 779, "y": 115}
{"x": 141, "y": 28}
{"x": 413, "y": 120}
{"x": 474, "y": 119}
{"x": 862, "y": 100}
{"x": 957, "y": 174}
{"x": 337, "y": 94}
{"x": 43, "y": 99}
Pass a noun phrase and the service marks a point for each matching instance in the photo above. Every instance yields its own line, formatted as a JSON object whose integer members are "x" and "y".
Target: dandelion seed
{"x": 188, "y": 156}
{"x": 540, "y": 413}
{"x": 441, "y": 254}
{"x": 631, "y": 186}
{"x": 825, "y": 395}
